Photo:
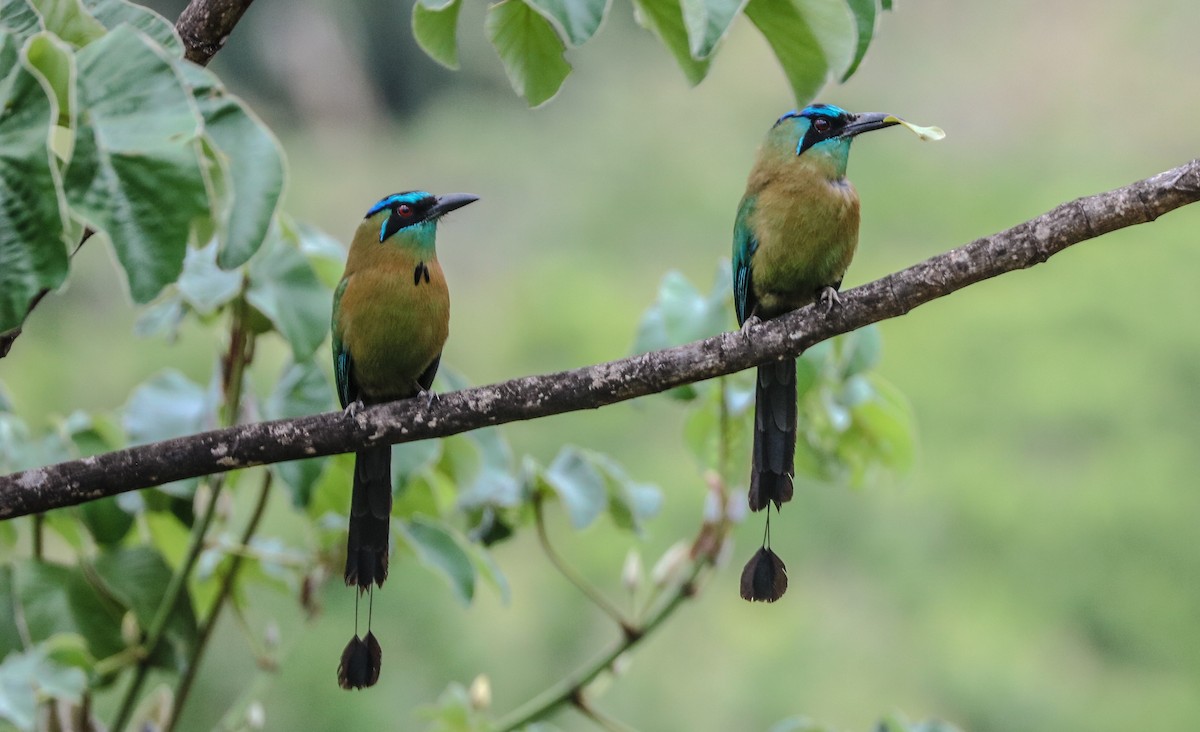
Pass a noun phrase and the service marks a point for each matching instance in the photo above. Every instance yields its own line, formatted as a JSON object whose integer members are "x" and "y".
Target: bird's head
{"x": 824, "y": 131}
{"x": 414, "y": 212}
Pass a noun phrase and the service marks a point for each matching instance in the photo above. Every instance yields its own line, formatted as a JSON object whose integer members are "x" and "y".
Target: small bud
{"x": 480, "y": 693}
{"x": 256, "y": 716}
{"x": 631, "y": 573}
{"x": 667, "y": 568}
{"x": 271, "y": 635}
{"x": 131, "y": 631}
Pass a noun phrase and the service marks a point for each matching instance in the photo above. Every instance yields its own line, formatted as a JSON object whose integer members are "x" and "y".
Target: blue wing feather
{"x": 744, "y": 247}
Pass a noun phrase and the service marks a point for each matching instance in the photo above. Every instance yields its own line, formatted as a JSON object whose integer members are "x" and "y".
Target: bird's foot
{"x": 352, "y": 408}
{"x": 751, "y": 322}
{"x": 429, "y": 395}
{"x": 829, "y": 297}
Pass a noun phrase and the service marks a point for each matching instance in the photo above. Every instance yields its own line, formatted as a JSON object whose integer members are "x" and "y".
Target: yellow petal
{"x": 925, "y": 133}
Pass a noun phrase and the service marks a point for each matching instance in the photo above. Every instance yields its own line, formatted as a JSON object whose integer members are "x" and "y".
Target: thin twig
{"x": 218, "y": 603}
{"x": 566, "y": 570}
{"x": 531, "y": 397}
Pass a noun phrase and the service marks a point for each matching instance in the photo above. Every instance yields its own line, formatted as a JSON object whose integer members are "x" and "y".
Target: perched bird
{"x": 391, "y": 316}
{"x": 794, "y": 236}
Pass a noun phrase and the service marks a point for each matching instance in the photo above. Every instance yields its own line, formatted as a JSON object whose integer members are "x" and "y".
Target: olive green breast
{"x": 805, "y": 218}
{"x": 394, "y": 318}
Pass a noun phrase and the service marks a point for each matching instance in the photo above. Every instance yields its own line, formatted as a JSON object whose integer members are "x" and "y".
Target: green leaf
{"x": 683, "y": 314}
{"x": 136, "y": 578}
{"x": 630, "y": 503}
{"x": 33, "y": 254}
{"x": 168, "y": 405}
{"x": 251, "y": 162}
{"x": 707, "y": 22}
{"x": 575, "y": 20}
{"x": 205, "y": 286}
{"x": 438, "y": 548}
{"x": 860, "y": 350}
{"x": 578, "y": 484}
{"x": 302, "y": 389}
{"x": 284, "y": 287}
{"x": 113, "y": 13}
{"x": 68, "y": 20}
{"x": 29, "y": 678}
{"x": 665, "y": 18}
{"x": 18, "y": 18}
{"x": 56, "y": 599}
{"x": 809, "y": 37}
{"x": 864, "y": 21}
{"x": 529, "y": 48}
{"x": 135, "y": 172}
{"x": 436, "y": 30}
{"x": 54, "y": 61}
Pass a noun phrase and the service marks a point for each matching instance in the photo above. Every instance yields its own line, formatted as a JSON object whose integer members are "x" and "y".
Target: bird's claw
{"x": 352, "y": 408}
{"x": 829, "y": 297}
{"x": 430, "y": 396}
{"x": 751, "y": 322}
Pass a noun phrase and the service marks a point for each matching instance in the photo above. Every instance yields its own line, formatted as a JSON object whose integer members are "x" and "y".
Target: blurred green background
{"x": 1037, "y": 570}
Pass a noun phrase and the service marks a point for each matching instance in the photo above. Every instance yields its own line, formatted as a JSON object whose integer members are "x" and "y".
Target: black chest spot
{"x": 421, "y": 272}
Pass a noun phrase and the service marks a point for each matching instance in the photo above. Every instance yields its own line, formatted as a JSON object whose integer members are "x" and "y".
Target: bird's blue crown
{"x": 813, "y": 111}
{"x": 409, "y": 197}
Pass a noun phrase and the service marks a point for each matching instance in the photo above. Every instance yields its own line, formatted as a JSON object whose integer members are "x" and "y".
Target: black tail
{"x": 370, "y": 512}
{"x": 774, "y": 435}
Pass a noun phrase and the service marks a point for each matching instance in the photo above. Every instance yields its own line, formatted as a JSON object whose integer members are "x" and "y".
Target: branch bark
{"x": 531, "y": 397}
{"x": 204, "y": 26}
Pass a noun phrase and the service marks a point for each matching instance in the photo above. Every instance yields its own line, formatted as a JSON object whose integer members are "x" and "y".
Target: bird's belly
{"x": 803, "y": 248}
{"x": 396, "y": 331}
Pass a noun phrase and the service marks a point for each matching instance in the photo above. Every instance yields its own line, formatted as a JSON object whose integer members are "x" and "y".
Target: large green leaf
{"x": 665, "y": 18}
{"x": 809, "y": 37}
{"x": 17, "y": 17}
{"x": 865, "y": 14}
{"x": 112, "y": 13}
{"x": 437, "y": 547}
{"x": 135, "y": 173}
{"x": 435, "y": 26}
{"x": 284, "y": 287}
{"x": 576, "y": 20}
{"x": 578, "y": 484}
{"x": 28, "y": 678}
{"x": 530, "y": 49}
{"x": 136, "y": 577}
{"x": 68, "y": 20}
{"x": 707, "y": 22}
{"x": 168, "y": 405}
{"x": 251, "y": 162}
{"x": 33, "y": 254}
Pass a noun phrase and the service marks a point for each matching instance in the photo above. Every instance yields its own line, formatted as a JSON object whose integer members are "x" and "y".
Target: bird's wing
{"x": 744, "y": 246}
{"x": 343, "y": 364}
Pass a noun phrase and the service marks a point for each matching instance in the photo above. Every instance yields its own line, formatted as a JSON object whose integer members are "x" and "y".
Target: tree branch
{"x": 204, "y": 26}
{"x": 531, "y": 397}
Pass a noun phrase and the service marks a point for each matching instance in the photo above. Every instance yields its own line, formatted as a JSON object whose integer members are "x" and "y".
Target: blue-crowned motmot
{"x": 794, "y": 236}
{"x": 391, "y": 317}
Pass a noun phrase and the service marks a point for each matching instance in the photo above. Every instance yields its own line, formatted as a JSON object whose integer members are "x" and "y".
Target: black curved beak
{"x": 868, "y": 121}
{"x": 449, "y": 202}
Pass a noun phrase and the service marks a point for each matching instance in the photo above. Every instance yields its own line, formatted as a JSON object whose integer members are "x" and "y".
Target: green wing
{"x": 744, "y": 246}
{"x": 343, "y": 364}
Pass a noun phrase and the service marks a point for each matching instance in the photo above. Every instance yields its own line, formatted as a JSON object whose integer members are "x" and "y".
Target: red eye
{"x": 404, "y": 210}
{"x": 820, "y": 124}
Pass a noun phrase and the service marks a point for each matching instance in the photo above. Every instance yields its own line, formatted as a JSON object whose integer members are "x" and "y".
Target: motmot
{"x": 794, "y": 236}
{"x": 391, "y": 318}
